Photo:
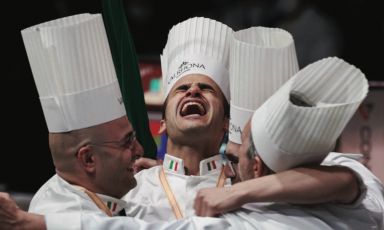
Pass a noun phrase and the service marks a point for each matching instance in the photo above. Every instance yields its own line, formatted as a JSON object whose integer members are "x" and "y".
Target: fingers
{"x": 8, "y": 207}
{"x": 144, "y": 163}
{"x": 6, "y": 200}
{"x": 203, "y": 206}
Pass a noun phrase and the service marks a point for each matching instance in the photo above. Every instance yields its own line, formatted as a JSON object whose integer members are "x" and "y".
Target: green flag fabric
{"x": 127, "y": 70}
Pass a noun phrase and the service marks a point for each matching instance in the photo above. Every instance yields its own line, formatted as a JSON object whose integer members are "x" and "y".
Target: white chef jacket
{"x": 66, "y": 207}
{"x": 57, "y": 195}
{"x": 286, "y": 216}
{"x": 275, "y": 216}
{"x": 148, "y": 200}
{"x": 369, "y": 207}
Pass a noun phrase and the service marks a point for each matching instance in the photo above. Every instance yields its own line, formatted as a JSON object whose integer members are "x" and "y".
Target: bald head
{"x": 64, "y": 147}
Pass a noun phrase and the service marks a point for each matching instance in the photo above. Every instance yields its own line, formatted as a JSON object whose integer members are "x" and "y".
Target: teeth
{"x": 186, "y": 108}
{"x": 193, "y": 103}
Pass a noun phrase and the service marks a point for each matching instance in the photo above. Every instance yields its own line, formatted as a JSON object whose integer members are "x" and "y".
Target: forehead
{"x": 118, "y": 127}
{"x": 196, "y": 78}
{"x": 232, "y": 148}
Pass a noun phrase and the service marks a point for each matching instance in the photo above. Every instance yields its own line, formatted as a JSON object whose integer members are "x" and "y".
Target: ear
{"x": 163, "y": 127}
{"x": 86, "y": 159}
{"x": 258, "y": 167}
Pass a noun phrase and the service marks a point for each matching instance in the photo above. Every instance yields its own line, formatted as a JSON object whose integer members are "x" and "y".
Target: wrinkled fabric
{"x": 149, "y": 202}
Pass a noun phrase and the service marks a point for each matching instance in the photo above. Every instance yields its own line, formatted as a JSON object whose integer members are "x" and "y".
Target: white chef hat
{"x": 197, "y": 46}
{"x": 286, "y": 134}
{"x": 73, "y": 71}
{"x": 261, "y": 61}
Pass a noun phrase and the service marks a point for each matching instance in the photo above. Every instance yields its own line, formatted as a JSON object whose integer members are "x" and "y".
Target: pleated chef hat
{"x": 301, "y": 122}
{"x": 197, "y": 46}
{"x": 261, "y": 61}
{"x": 73, "y": 71}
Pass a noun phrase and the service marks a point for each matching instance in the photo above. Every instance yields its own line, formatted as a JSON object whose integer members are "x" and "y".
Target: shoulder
{"x": 57, "y": 195}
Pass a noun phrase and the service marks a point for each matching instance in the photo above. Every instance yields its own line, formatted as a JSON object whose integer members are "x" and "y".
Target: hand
{"x": 216, "y": 201}
{"x": 145, "y": 163}
{"x": 12, "y": 217}
{"x": 8, "y": 211}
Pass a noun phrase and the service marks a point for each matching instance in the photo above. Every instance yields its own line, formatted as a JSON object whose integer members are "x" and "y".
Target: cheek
{"x": 216, "y": 112}
{"x": 127, "y": 157}
{"x": 218, "y": 105}
{"x": 123, "y": 160}
{"x": 243, "y": 164}
{"x": 245, "y": 168}
{"x": 171, "y": 111}
{"x": 172, "y": 103}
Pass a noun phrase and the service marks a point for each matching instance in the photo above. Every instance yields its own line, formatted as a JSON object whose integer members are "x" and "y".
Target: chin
{"x": 196, "y": 128}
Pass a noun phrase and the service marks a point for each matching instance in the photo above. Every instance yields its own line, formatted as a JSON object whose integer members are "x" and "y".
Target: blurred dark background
{"x": 352, "y": 30}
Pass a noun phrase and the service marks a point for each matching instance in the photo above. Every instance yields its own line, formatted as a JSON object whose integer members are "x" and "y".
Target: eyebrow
{"x": 205, "y": 86}
{"x": 199, "y": 84}
{"x": 184, "y": 85}
{"x": 128, "y": 135}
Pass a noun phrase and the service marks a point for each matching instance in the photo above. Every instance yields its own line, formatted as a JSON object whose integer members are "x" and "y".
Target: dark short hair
{"x": 251, "y": 152}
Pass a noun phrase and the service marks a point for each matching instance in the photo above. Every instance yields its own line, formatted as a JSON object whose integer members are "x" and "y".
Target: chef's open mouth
{"x": 192, "y": 108}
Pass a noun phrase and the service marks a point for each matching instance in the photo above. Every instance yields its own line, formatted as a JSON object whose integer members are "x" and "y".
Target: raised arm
{"x": 319, "y": 184}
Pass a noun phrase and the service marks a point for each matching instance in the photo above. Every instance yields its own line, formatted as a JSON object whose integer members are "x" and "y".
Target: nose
{"x": 137, "y": 149}
{"x": 194, "y": 90}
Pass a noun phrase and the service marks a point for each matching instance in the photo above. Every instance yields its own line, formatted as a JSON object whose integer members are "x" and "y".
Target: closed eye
{"x": 184, "y": 87}
{"x": 129, "y": 139}
{"x": 231, "y": 157}
{"x": 207, "y": 87}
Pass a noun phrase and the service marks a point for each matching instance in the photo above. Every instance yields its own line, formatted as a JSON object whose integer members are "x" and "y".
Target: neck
{"x": 193, "y": 148}
{"x": 191, "y": 155}
{"x": 77, "y": 180}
